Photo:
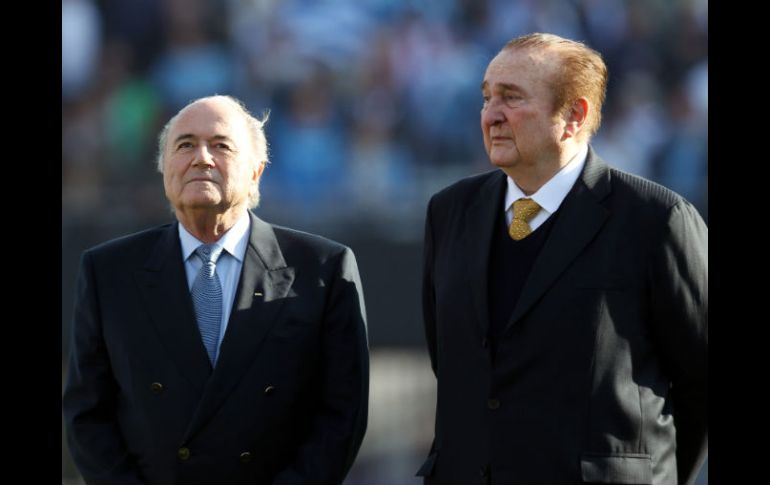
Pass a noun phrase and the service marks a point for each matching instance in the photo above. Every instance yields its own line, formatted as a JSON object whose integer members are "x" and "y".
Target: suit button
{"x": 269, "y": 390}
{"x": 183, "y": 453}
{"x": 484, "y": 471}
{"x": 156, "y": 387}
{"x": 484, "y": 342}
{"x": 245, "y": 457}
{"x": 493, "y": 404}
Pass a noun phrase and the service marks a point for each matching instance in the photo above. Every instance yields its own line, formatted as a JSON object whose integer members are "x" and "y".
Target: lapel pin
{"x": 257, "y": 293}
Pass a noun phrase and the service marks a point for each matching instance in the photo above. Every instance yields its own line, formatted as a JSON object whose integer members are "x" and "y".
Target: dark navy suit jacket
{"x": 287, "y": 401}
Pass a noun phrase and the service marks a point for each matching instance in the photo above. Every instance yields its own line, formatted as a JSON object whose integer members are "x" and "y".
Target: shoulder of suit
{"x": 294, "y": 238}
{"x": 131, "y": 242}
{"x": 644, "y": 191}
{"x": 466, "y": 187}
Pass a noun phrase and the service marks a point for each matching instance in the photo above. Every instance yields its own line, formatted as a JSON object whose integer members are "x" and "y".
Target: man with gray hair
{"x": 218, "y": 349}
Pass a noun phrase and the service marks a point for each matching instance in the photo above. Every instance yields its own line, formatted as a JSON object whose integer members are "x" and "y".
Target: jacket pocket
{"x": 426, "y": 469}
{"x": 625, "y": 468}
{"x": 292, "y": 328}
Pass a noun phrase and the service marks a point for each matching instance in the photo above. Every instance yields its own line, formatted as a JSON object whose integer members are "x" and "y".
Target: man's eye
{"x": 184, "y": 144}
{"x": 223, "y": 146}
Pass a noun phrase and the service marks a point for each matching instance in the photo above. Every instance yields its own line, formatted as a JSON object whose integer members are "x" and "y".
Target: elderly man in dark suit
{"x": 218, "y": 349}
{"x": 565, "y": 302}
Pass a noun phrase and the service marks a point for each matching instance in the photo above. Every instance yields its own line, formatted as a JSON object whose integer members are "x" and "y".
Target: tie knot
{"x": 525, "y": 209}
{"x": 209, "y": 253}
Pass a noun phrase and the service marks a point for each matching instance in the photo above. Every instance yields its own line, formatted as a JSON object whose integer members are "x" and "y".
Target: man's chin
{"x": 502, "y": 162}
{"x": 203, "y": 203}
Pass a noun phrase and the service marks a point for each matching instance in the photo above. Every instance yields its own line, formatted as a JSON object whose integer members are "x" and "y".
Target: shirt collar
{"x": 552, "y": 193}
{"x": 234, "y": 241}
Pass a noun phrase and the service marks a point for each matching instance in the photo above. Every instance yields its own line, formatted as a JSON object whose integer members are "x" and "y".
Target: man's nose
{"x": 203, "y": 156}
{"x": 491, "y": 114}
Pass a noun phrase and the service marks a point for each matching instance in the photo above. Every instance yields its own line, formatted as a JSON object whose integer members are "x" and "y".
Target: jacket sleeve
{"x": 679, "y": 282}
{"x": 428, "y": 290}
{"x": 338, "y": 429}
{"x": 429, "y": 322}
{"x": 89, "y": 401}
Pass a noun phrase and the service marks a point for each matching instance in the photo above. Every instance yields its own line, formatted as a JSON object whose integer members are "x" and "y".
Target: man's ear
{"x": 260, "y": 169}
{"x": 575, "y": 117}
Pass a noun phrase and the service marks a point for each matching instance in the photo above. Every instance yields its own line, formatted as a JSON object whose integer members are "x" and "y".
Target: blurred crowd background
{"x": 374, "y": 106}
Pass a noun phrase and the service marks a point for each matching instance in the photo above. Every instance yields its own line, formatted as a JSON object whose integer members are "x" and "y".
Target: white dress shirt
{"x": 550, "y": 196}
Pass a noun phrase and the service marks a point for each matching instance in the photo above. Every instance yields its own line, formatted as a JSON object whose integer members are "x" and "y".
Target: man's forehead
{"x": 212, "y": 107}
{"x": 512, "y": 64}
{"x": 211, "y": 113}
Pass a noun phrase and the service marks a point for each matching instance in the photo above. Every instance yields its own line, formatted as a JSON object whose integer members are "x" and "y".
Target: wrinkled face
{"x": 517, "y": 119}
{"x": 209, "y": 158}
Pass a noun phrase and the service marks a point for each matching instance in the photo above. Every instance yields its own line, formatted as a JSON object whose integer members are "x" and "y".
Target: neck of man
{"x": 531, "y": 176}
{"x": 207, "y": 224}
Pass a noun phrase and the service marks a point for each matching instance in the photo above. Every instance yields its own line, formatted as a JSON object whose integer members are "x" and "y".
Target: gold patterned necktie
{"x": 523, "y": 212}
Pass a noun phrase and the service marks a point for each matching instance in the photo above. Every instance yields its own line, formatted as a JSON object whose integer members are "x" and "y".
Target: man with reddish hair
{"x": 565, "y": 301}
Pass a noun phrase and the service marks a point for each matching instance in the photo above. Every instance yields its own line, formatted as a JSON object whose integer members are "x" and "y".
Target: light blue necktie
{"x": 207, "y": 298}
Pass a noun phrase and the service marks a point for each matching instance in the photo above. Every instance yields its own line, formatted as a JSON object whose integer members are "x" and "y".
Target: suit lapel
{"x": 581, "y": 216}
{"x": 264, "y": 284}
{"x": 479, "y": 227}
{"x": 164, "y": 285}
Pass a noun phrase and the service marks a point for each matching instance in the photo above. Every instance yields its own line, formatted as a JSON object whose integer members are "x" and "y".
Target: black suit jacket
{"x": 287, "y": 401}
{"x": 600, "y": 375}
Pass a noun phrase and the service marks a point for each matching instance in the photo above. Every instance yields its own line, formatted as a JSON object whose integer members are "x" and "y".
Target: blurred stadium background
{"x": 374, "y": 107}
